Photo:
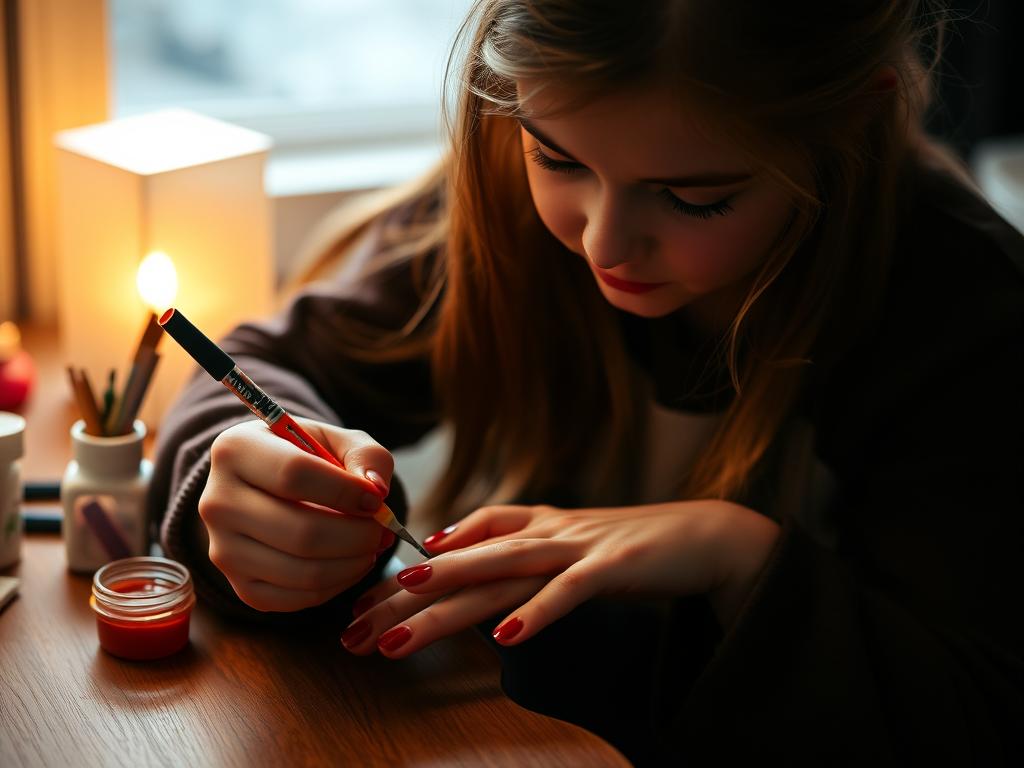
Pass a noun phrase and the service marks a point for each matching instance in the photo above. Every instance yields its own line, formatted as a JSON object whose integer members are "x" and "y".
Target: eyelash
{"x": 720, "y": 208}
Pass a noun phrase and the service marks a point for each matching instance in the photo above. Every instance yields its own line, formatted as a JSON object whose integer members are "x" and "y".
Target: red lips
{"x": 628, "y": 286}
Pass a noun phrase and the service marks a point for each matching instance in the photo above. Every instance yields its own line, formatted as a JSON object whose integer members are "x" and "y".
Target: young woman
{"x": 731, "y": 354}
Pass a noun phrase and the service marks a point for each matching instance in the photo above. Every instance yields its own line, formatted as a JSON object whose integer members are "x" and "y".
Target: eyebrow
{"x": 694, "y": 180}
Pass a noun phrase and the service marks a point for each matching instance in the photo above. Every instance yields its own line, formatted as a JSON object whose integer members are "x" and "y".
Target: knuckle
{"x": 495, "y": 592}
{"x": 224, "y": 448}
{"x": 221, "y": 557}
{"x": 482, "y": 513}
{"x": 216, "y": 555}
{"x": 391, "y": 612}
{"x": 211, "y": 508}
{"x": 628, "y": 553}
{"x": 572, "y": 580}
{"x": 514, "y": 547}
{"x": 431, "y": 619}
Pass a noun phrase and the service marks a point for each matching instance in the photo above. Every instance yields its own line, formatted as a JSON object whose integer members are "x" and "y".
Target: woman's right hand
{"x": 290, "y": 530}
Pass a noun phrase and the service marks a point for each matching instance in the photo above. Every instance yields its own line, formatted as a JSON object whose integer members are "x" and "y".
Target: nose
{"x": 609, "y": 234}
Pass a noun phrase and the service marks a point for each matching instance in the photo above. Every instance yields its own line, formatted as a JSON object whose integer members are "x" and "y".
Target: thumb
{"x": 361, "y": 455}
{"x": 373, "y": 463}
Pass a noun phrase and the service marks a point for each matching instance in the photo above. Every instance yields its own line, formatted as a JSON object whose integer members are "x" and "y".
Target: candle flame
{"x": 157, "y": 281}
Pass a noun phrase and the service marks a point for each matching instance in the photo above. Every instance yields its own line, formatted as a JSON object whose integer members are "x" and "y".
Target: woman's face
{"x": 664, "y": 216}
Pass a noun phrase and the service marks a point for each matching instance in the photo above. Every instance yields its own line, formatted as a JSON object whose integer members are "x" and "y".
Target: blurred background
{"x": 345, "y": 94}
{"x": 348, "y": 90}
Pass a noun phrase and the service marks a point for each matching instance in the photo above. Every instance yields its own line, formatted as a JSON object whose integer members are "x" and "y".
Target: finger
{"x": 360, "y": 636}
{"x": 245, "y": 558}
{"x": 269, "y": 597}
{"x": 359, "y": 453}
{"x": 575, "y": 585}
{"x": 291, "y": 527}
{"x": 484, "y": 523}
{"x": 378, "y": 593}
{"x": 265, "y": 461}
{"x": 440, "y": 618}
{"x": 510, "y": 558}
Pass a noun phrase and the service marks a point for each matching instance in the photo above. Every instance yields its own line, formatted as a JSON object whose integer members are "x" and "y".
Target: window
{"x": 307, "y": 72}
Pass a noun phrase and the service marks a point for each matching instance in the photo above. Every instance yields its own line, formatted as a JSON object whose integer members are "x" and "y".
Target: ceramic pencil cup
{"x": 103, "y": 493}
{"x": 12, "y": 430}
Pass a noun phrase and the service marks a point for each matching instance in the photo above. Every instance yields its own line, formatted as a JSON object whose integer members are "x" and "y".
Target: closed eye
{"x": 719, "y": 208}
{"x": 677, "y": 204}
{"x": 550, "y": 164}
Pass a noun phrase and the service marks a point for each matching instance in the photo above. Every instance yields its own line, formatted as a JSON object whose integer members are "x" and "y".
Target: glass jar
{"x": 143, "y": 606}
{"x": 103, "y": 493}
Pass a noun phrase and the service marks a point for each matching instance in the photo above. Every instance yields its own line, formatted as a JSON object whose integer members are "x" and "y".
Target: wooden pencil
{"x": 135, "y": 391}
{"x": 122, "y": 414}
{"x": 90, "y": 415}
{"x": 90, "y": 401}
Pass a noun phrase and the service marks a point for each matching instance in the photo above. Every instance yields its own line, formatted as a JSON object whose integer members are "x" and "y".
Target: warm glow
{"x": 157, "y": 281}
{"x": 10, "y": 340}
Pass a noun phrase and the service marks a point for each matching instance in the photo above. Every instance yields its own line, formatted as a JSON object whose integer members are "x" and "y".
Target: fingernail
{"x": 435, "y": 538}
{"x": 362, "y": 605}
{"x": 356, "y": 633}
{"x": 508, "y": 630}
{"x": 375, "y": 477}
{"x": 369, "y": 502}
{"x": 387, "y": 538}
{"x": 410, "y": 577}
{"x": 394, "y": 638}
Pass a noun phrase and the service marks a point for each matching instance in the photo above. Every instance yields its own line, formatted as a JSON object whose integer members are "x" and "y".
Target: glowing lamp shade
{"x": 155, "y": 210}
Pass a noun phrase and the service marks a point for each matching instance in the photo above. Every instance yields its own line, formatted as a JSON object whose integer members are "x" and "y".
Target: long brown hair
{"x": 528, "y": 360}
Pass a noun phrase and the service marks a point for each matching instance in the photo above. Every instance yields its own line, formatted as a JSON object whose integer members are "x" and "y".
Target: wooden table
{"x": 240, "y": 695}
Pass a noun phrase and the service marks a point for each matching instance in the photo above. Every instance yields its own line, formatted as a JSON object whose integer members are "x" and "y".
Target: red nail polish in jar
{"x": 143, "y": 606}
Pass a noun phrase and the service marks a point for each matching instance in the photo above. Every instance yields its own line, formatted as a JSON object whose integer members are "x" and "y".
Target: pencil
{"x": 122, "y": 414}
{"x": 135, "y": 391}
{"x": 86, "y": 406}
{"x": 90, "y": 400}
{"x": 108, "y": 395}
{"x": 216, "y": 362}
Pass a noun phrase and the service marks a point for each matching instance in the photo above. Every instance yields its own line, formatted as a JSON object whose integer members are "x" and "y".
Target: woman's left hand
{"x": 542, "y": 562}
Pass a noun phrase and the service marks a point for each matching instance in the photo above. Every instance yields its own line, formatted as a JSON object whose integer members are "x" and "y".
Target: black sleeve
{"x": 904, "y": 644}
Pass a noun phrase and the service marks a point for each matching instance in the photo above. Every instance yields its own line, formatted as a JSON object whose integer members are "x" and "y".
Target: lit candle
{"x": 157, "y": 281}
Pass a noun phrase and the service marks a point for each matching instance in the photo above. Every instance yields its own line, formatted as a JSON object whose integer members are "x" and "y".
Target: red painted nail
{"x": 394, "y": 638}
{"x": 362, "y": 605}
{"x": 387, "y": 538}
{"x": 410, "y": 577}
{"x": 435, "y": 538}
{"x": 356, "y": 633}
{"x": 508, "y": 630}
{"x": 375, "y": 477}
